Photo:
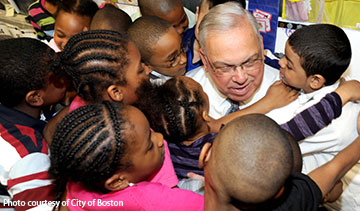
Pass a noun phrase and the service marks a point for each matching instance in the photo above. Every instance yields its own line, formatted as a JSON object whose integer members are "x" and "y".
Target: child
{"x": 110, "y": 18}
{"x": 314, "y": 67}
{"x": 106, "y": 152}
{"x": 106, "y": 66}
{"x": 72, "y": 18}
{"x": 27, "y": 84}
{"x": 171, "y": 11}
{"x": 41, "y": 15}
{"x": 179, "y": 110}
{"x": 160, "y": 47}
{"x": 256, "y": 144}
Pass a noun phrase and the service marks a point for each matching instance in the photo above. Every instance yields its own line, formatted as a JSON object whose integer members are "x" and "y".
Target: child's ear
{"x": 116, "y": 182}
{"x": 205, "y": 154}
{"x": 34, "y": 98}
{"x": 205, "y": 116}
{"x": 316, "y": 81}
{"x": 147, "y": 68}
{"x": 115, "y": 93}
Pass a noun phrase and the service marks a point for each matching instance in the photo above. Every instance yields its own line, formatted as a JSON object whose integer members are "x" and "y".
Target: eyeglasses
{"x": 176, "y": 59}
{"x": 230, "y": 70}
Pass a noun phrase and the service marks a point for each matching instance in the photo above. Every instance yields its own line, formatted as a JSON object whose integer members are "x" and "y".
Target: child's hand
{"x": 349, "y": 91}
{"x": 108, "y": 2}
{"x": 279, "y": 95}
{"x": 192, "y": 175}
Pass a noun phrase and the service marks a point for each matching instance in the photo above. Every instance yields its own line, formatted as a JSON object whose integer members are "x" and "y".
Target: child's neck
{"x": 32, "y": 111}
{"x": 204, "y": 130}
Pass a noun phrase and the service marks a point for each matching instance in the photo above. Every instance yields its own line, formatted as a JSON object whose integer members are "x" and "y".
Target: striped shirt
{"x": 42, "y": 20}
{"x": 24, "y": 159}
{"x": 307, "y": 123}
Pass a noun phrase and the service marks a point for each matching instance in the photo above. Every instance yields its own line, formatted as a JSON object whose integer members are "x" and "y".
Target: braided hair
{"x": 89, "y": 146}
{"x": 172, "y": 109}
{"x": 94, "y": 60}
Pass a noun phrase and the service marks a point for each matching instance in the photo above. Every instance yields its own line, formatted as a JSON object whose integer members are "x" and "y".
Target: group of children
{"x": 130, "y": 90}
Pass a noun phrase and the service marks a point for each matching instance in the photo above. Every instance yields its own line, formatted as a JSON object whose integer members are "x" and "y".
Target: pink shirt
{"x": 142, "y": 196}
{"x": 165, "y": 175}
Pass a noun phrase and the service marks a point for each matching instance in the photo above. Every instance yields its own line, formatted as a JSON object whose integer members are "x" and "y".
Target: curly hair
{"x": 25, "y": 64}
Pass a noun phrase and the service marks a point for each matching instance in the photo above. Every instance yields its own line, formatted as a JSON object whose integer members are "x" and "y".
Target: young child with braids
{"x": 106, "y": 65}
{"x": 179, "y": 110}
{"x": 103, "y": 155}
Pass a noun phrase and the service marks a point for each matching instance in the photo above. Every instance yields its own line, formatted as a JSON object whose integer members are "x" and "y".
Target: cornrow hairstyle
{"x": 89, "y": 146}
{"x": 328, "y": 55}
{"x": 94, "y": 60}
{"x": 79, "y": 7}
{"x": 172, "y": 109}
{"x": 25, "y": 64}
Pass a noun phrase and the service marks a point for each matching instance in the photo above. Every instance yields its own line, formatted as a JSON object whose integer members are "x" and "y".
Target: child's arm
{"x": 327, "y": 175}
{"x": 307, "y": 122}
{"x": 278, "y": 95}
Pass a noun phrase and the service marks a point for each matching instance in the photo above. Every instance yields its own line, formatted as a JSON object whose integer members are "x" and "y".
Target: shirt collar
{"x": 20, "y": 118}
{"x": 161, "y": 76}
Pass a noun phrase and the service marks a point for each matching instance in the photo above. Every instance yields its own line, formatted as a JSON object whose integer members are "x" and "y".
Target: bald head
{"x": 253, "y": 159}
{"x": 110, "y": 18}
{"x": 145, "y": 33}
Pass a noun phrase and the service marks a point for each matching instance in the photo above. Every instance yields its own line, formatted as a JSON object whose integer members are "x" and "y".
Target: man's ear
{"x": 316, "y": 81}
{"x": 116, "y": 182}
{"x": 203, "y": 59}
{"x": 205, "y": 154}
{"x": 197, "y": 14}
{"x": 34, "y": 98}
{"x": 115, "y": 93}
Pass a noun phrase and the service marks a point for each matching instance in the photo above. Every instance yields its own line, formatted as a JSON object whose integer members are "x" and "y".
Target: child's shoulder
{"x": 22, "y": 132}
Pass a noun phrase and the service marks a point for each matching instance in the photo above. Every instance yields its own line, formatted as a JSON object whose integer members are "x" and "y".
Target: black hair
{"x": 213, "y": 3}
{"x": 94, "y": 60}
{"x": 145, "y": 32}
{"x": 172, "y": 109}
{"x": 25, "y": 64}
{"x": 111, "y": 18}
{"x": 89, "y": 146}
{"x": 53, "y": 2}
{"x": 158, "y": 7}
{"x": 323, "y": 49}
{"x": 80, "y": 7}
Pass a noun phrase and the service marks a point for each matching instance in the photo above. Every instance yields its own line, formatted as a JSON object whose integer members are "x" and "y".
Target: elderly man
{"x": 234, "y": 73}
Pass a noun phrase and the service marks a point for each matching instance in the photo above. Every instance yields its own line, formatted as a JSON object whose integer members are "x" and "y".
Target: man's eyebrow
{"x": 247, "y": 60}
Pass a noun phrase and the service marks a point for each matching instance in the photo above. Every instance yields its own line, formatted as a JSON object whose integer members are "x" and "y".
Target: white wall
{"x": 354, "y": 37}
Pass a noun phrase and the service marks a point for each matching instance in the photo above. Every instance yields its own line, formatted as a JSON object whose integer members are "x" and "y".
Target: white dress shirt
{"x": 219, "y": 104}
{"x": 325, "y": 144}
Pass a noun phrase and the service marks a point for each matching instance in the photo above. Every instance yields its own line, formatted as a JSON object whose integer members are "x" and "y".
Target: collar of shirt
{"x": 20, "y": 118}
